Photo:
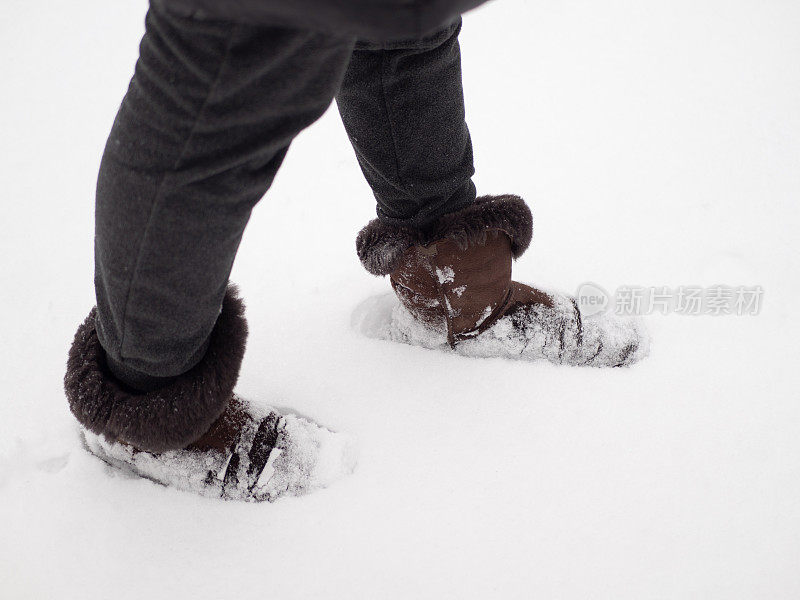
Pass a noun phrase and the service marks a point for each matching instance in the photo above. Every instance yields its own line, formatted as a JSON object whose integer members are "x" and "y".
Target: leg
{"x": 206, "y": 122}
{"x": 449, "y": 254}
{"x": 403, "y": 108}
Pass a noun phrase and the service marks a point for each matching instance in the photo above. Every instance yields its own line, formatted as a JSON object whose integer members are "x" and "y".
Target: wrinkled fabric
{"x": 403, "y": 108}
{"x": 207, "y": 120}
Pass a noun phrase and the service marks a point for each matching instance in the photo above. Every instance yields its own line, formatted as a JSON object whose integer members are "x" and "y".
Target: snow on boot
{"x": 251, "y": 453}
{"x": 454, "y": 286}
{"x": 194, "y": 433}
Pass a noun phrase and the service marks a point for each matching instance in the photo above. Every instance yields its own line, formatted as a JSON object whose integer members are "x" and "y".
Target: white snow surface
{"x": 552, "y": 333}
{"x": 658, "y": 143}
{"x": 306, "y": 458}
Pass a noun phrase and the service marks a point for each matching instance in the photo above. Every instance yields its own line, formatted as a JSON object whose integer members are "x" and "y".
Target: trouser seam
{"x": 392, "y": 135}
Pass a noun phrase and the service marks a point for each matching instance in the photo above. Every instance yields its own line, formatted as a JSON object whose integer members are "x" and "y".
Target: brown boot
{"x": 194, "y": 433}
{"x": 455, "y": 288}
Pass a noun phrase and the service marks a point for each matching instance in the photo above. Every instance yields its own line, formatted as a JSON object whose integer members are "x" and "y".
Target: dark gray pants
{"x": 205, "y": 124}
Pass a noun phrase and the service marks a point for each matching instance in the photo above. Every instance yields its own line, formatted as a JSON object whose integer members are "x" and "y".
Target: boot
{"x": 454, "y": 286}
{"x": 195, "y": 433}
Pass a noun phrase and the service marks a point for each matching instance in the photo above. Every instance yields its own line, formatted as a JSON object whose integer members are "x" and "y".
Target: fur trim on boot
{"x": 380, "y": 247}
{"x": 171, "y": 417}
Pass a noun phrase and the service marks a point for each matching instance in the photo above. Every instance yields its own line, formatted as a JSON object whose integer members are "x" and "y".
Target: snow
{"x": 306, "y": 458}
{"x": 552, "y": 333}
{"x": 445, "y": 275}
{"x": 311, "y": 458}
{"x": 658, "y": 144}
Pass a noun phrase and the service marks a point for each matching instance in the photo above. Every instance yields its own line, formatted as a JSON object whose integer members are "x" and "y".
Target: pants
{"x": 205, "y": 124}
{"x": 366, "y": 19}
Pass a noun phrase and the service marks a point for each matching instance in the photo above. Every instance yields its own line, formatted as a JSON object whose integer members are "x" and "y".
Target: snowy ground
{"x": 658, "y": 143}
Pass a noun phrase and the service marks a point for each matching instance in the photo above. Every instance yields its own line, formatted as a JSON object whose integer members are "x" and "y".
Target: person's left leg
{"x": 205, "y": 124}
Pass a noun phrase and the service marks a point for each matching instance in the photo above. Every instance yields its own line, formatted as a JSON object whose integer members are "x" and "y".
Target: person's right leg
{"x": 448, "y": 253}
{"x": 403, "y": 108}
